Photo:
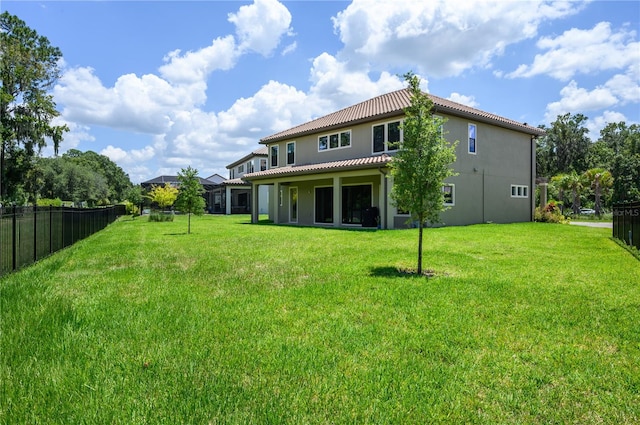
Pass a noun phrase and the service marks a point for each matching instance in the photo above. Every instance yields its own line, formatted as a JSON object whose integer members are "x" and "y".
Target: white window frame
{"x": 263, "y": 161}
{"x": 277, "y": 155}
{"x": 339, "y": 145}
{"x": 249, "y": 167}
{"x": 386, "y": 136}
{"x": 519, "y": 191}
{"x": 453, "y": 194}
{"x": 287, "y": 153}
{"x": 475, "y": 139}
{"x": 241, "y": 169}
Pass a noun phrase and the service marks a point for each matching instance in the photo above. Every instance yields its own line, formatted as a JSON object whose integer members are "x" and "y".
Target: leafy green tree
{"x": 117, "y": 180}
{"x": 564, "y": 147}
{"x": 28, "y": 69}
{"x": 135, "y": 198}
{"x": 190, "y": 198}
{"x": 422, "y": 162}
{"x": 601, "y": 182}
{"x": 624, "y": 143}
{"x": 164, "y": 196}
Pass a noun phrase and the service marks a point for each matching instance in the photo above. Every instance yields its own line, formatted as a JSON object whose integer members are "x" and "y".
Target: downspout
{"x": 532, "y": 177}
{"x": 384, "y": 202}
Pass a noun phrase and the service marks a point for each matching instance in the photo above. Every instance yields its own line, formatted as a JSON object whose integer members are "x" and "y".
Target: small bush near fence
{"x": 28, "y": 234}
{"x": 626, "y": 223}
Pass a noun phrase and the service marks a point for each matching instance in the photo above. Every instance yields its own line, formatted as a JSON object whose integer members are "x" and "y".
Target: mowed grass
{"x": 253, "y": 324}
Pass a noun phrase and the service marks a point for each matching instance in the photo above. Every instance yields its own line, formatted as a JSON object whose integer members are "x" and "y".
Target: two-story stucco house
{"x": 233, "y": 196}
{"x": 332, "y": 171}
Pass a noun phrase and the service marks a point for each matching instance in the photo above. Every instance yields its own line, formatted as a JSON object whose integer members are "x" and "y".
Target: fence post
{"x": 14, "y": 239}
{"x": 35, "y": 233}
{"x": 50, "y": 229}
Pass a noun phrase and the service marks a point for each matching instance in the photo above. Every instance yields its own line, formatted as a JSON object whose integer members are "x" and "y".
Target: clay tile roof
{"x": 235, "y": 182}
{"x": 347, "y": 164}
{"x": 391, "y": 104}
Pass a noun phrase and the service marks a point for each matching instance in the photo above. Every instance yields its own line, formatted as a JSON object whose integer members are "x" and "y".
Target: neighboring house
{"x": 208, "y": 184}
{"x": 233, "y": 196}
{"x": 333, "y": 171}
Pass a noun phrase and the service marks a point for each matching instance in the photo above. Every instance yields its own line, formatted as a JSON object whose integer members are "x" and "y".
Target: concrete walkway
{"x": 593, "y": 224}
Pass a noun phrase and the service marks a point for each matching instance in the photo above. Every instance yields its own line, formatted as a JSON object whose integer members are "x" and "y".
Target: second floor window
{"x": 274, "y": 156}
{"x": 263, "y": 164}
{"x": 334, "y": 141}
{"x": 250, "y": 167}
{"x": 291, "y": 153}
{"x": 241, "y": 169}
{"x": 387, "y": 137}
{"x": 472, "y": 138}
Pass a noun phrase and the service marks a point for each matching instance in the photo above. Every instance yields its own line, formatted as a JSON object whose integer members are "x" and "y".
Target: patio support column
{"x": 255, "y": 198}
{"x": 228, "y": 200}
{"x": 276, "y": 208}
{"x": 382, "y": 200}
{"x": 337, "y": 207}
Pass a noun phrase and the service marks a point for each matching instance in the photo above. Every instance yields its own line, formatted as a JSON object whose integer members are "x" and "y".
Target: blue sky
{"x": 161, "y": 85}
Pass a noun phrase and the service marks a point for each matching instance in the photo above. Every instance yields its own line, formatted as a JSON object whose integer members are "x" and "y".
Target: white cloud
{"x": 583, "y": 51}
{"x": 336, "y": 85}
{"x": 594, "y": 125}
{"x": 409, "y": 33}
{"x": 195, "y": 67}
{"x": 133, "y": 156}
{"x": 619, "y": 90}
{"x": 465, "y": 100}
{"x": 261, "y": 25}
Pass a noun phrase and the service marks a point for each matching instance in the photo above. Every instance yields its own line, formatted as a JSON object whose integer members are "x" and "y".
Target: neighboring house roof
{"x": 261, "y": 151}
{"x": 393, "y": 104}
{"x": 216, "y": 178}
{"x": 162, "y": 180}
{"x": 324, "y": 167}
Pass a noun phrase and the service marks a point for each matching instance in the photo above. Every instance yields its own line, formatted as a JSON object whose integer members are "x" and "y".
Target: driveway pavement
{"x": 606, "y": 225}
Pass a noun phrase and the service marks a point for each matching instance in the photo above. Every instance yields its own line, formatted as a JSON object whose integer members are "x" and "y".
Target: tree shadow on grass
{"x": 176, "y": 234}
{"x": 389, "y": 271}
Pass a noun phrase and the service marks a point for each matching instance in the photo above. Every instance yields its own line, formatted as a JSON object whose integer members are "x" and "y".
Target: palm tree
{"x": 600, "y": 181}
{"x": 575, "y": 183}
{"x": 561, "y": 181}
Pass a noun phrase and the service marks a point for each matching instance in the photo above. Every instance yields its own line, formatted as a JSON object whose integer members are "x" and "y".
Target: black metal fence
{"x": 28, "y": 234}
{"x": 626, "y": 223}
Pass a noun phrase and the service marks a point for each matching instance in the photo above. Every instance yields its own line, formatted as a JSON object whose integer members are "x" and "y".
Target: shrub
{"x": 549, "y": 214}
{"x": 132, "y": 209}
{"x": 46, "y": 202}
{"x": 161, "y": 216}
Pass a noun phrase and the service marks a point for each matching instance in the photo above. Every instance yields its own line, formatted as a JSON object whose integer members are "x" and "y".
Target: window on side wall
{"x": 250, "y": 167}
{"x": 386, "y": 137}
{"x": 291, "y": 153}
{"x": 519, "y": 191}
{"x": 263, "y": 164}
{"x": 240, "y": 168}
{"x": 473, "y": 142}
{"x": 449, "y": 192}
{"x": 274, "y": 156}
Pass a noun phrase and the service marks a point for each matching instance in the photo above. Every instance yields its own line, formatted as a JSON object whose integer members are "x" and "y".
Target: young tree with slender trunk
{"x": 422, "y": 163}
{"x": 190, "y": 198}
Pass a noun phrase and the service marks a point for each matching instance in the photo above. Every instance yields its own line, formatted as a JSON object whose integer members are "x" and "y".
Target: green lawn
{"x": 240, "y": 324}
